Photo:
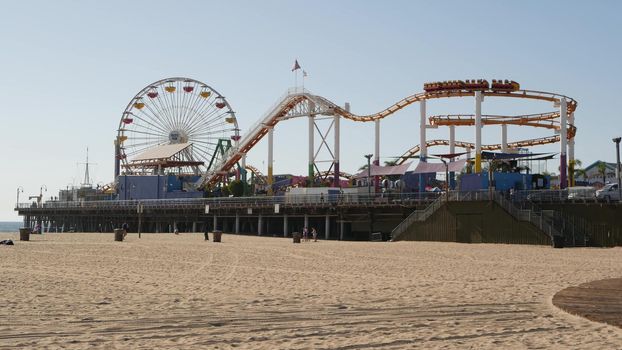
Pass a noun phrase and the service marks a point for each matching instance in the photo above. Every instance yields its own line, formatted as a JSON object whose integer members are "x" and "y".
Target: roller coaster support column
{"x": 478, "y": 131}
{"x": 571, "y": 165}
{"x": 311, "y": 145}
{"x": 237, "y": 222}
{"x": 270, "y": 160}
{"x": 423, "y": 147}
{"x": 306, "y": 221}
{"x": 243, "y": 174}
{"x": 259, "y": 225}
{"x": 336, "y": 182}
{"x": 563, "y": 141}
{"x": 504, "y": 138}
{"x": 377, "y": 153}
{"x": 327, "y": 227}
{"x": 117, "y": 160}
{"x": 452, "y": 150}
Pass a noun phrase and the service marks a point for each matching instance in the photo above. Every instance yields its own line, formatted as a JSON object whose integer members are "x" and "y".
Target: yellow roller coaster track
{"x": 470, "y": 145}
{"x": 526, "y": 94}
{"x": 541, "y": 120}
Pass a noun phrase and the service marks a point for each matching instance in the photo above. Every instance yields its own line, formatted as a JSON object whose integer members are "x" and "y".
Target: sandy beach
{"x": 79, "y": 291}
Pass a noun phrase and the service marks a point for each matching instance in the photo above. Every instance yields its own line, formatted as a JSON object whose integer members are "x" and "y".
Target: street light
{"x": 19, "y": 189}
{"x": 617, "y": 142}
{"x": 41, "y": 189}
{"x": 368, "y": 156}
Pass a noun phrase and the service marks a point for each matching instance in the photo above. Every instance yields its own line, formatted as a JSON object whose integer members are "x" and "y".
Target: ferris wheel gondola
{"x": 175, "y": 111}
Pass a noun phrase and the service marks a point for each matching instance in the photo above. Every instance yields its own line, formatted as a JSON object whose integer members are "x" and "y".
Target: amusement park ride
{"x": 184, "y": 127}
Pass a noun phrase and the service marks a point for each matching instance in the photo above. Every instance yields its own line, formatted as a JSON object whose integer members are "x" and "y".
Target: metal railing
{"x": 417, "y": 215}
{"x": 331, "y": 199}
{"x": 548, "y": 224}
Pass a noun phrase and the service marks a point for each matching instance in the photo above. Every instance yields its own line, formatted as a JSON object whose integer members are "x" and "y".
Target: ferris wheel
{"x": 181, "y": 114}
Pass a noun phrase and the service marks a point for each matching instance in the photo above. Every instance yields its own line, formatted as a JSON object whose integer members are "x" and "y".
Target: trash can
{"x": 24, "y": 234}
{"x": 119, "y": 233}
{"x": 217, "y": 235}
{"x": 296, "y": 236}
{"x": 558, "y": 241}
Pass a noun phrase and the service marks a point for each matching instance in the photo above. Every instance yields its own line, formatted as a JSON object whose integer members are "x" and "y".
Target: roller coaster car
{"x": 431, "y": 87}
{"x": 444, "y": 86}
{"x": 480, "y": 84}
{"x": 500, "y": 85}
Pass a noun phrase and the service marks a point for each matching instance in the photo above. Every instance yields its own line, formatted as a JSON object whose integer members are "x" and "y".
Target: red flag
{"x": 296, "y": 66}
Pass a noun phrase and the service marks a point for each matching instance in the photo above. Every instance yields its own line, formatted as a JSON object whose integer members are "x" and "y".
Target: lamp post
{"x": 19, "y": 189}
{"x": 41, "y": 189}
{"x": 368, "y": 156}
{"x": 617, "y": 142}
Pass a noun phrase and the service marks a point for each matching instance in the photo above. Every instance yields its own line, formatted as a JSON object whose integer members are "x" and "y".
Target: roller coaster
{"x": 297, "y": 102}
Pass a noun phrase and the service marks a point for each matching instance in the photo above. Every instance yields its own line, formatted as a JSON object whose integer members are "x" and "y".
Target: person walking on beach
{"x": 314, "y": 234}
{"x": 305, "y": 234}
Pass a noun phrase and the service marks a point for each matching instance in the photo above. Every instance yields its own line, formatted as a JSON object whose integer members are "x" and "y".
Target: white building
{"x": 594, "y": 177}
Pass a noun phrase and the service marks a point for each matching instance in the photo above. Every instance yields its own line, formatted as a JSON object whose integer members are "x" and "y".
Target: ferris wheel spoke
{"x": 169, "y": 106}
{"x": 146, "y": 143}
{"x": 187, "y": 101}
{"x": 205, "y": 143}
{"x": 144, "y": 120}
{"x": 144, "y": 133}
{"x": 195, "y": 104}
{"x": 194, "y": 107}
{"x": 204, "y": 153}
{"x": 167, "y": 103}
{"x": 163, "y": 108}
{"x": 207, "y": 123}
{"x": 206, "y": 112}
{"x": 207, "y": 118}
{"x": 139, "y": 127}
{"x": 180, "y": 101}
{"x": 210, "y": 132}
{"x": 212, "y": 129}
{"x": 158, "y": 114}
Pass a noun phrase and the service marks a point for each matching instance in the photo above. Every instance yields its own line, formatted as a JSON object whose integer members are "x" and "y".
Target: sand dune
{"x": 165, "y": 291}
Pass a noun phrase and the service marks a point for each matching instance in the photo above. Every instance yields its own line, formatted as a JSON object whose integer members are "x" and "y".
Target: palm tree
{"x": 602, "y": 170}
{"x": 390, "y": 162}
{"x": 573, "y": 170}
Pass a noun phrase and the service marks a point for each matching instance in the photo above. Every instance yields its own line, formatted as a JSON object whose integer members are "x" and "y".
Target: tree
{"x": 236, "y": 188}
{"x": 575, "y": 168}
{"x": 602, "y": 170}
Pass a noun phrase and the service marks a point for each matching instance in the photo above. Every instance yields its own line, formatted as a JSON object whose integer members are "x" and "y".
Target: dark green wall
{"x": 474, "y": 222}
{"x": 601, "y": 222}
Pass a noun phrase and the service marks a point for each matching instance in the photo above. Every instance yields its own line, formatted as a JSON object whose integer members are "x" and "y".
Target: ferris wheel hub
{"x": 177, "y": 136}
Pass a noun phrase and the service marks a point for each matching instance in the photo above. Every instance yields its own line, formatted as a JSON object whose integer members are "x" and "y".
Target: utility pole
{"x": 617, "y": 142}
{"x": 139, "y": 209}
{"x": 368, "y": 156}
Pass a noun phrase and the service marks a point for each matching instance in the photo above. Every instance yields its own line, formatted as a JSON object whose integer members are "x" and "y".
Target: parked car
{"x": 581, "y": 192}
{"x": 547, "y": 195}
{"x": 609, "y": 192}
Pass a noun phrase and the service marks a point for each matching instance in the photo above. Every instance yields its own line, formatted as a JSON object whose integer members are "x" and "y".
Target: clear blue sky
{"x": 70, "y": 67}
